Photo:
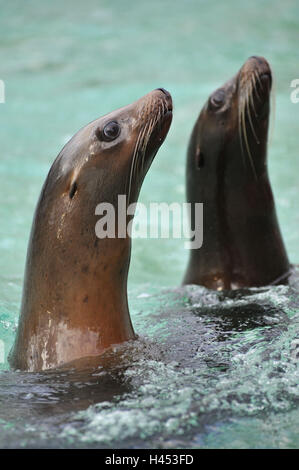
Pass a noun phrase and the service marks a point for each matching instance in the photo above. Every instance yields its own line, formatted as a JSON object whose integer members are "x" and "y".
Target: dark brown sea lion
{"x": 227, "y": 172}
{"x": 75, "y": 290}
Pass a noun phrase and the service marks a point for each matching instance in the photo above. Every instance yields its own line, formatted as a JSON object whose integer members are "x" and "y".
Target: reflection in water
{"x": 49, "y": 393}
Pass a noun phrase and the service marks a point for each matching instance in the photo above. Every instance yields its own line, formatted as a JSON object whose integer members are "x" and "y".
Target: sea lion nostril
{"x": 266, "y": 80}
{"x": 169, "y": 105}
{"x": 165, "y": 92}
{"x": 260, "y": 60}
{"x": 265, "y": 77}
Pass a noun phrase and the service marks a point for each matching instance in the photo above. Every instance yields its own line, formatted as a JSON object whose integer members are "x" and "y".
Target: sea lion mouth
{"x": 254, "y": 87}
{"x": 163, "y": 119}
{"x": 255, "y": 78}
{"x": 159, "y": 130}
{"x": 151, "y": 135}
{"x": 168, "y": 98}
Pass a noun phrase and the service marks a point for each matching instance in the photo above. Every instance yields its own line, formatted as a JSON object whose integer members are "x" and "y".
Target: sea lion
{"x": 74, "y": 301}
{"x": 227, "y": 172}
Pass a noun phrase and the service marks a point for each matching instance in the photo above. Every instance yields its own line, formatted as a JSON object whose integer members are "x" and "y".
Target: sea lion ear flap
{"x": 73, "y": 190}
{"x": 199, "y": 158}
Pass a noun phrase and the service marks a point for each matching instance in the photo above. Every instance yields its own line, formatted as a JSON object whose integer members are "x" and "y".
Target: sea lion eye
{"x": 218, "y": 98}
{"x": 111, "y": 131}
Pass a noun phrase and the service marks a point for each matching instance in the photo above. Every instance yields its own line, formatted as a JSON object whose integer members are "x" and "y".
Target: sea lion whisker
{"x": 145, "y": 139}
{"x": 249, "y": 117}
{"x": 246, "y": 143}
{"x": 241, "y": 129}
{"x": 254, "y": 80}
{"x": 164, "y": 108}
{"x": 149, "y": 129}
{"x": 142, "y": 143}
{"x": 136, "y": 149}
{"x": 251, "y": 96}
{"x": 137, "y": 163}
{"x": 273, "y": 106}
{"x": 257, "y": 78}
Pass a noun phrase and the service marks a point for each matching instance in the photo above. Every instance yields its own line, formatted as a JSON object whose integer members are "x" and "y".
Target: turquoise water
{"x": 199, "y": 378}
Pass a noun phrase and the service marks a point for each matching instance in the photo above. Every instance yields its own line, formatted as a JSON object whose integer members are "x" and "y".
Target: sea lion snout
{"x": 257, "y": 58}
{"x": 259, "y": 68}
{"x": 166, "y": 97}
{"x": 166, "y": 93}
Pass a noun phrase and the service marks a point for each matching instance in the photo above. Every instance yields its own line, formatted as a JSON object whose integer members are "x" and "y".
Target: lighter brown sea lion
{"x": 75, "y": 289}
{"x": 227, "y": 172}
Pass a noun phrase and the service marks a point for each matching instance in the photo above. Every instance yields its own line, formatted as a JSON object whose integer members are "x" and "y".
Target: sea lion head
{"x": 75, "y": 290}
{"x": 123, "y": 142}
{"x": 233, "y": 123}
